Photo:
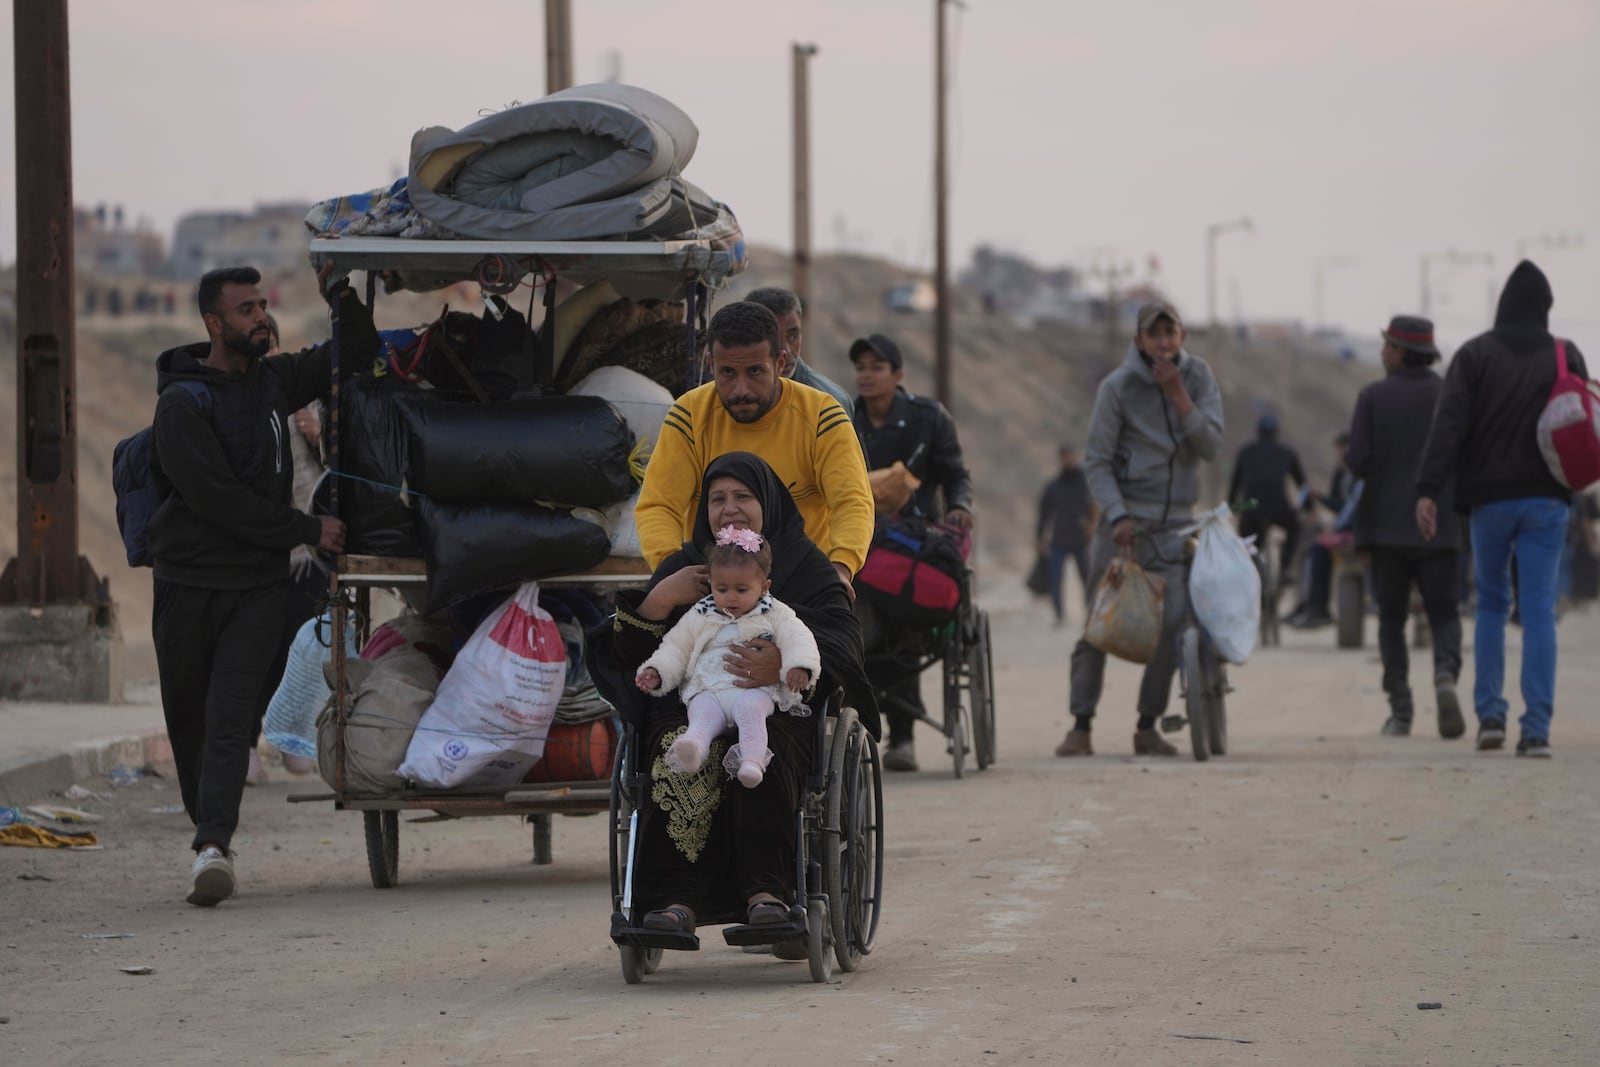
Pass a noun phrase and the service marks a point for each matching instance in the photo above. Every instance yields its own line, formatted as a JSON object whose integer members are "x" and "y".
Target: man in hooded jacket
{"x": 1485, "y": 432}
{"x": 1156, "y": 419}
{"x": 220, "y": 541}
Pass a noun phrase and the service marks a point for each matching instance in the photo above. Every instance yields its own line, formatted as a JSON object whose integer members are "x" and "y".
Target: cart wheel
{"x": 819, "y": 941}
{"x": 541, "y": 839}
{"x": 383, "y": 847}
{"x": 1195, "y": 686}
{"x": 1217, "y": 713}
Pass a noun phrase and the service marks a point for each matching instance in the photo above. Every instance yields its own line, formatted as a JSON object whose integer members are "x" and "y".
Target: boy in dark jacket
{"x": 892, "y": 425}
{"x": 1485, "y": 433}
{"x": 1387, "y": 436}
{"x": 221, "y": 539}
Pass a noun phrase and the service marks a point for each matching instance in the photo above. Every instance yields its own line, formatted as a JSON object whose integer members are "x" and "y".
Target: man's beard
{"x": 752, "y": 414}
{"x": 244, "y": 344}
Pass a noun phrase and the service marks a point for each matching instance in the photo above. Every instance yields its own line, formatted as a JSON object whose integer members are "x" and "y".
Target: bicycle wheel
{"x": 1195, "y": 686}
{"x": 1217, "y": 712}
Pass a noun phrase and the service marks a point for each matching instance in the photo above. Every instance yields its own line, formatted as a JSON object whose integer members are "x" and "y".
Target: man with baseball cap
{"x": 1387, "y": 438}
{"x": 895, "y": 425}
{"x": 1155, "y": 419}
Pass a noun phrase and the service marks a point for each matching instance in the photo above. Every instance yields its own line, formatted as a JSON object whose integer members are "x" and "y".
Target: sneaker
{"x": 1397, "y": 727}
{"x": 1451, "y": 724}
{"x": 1077, "y": 743}
{"x": 211, "y": 880}
{"x": 900, "y": 756}
{"x": 1491, "y": 735}
{"x": 1534, "y": 748}
{"x": 1150, "y": 743}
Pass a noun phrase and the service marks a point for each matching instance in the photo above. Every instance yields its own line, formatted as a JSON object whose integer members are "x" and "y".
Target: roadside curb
{"x": 31, "y": 777}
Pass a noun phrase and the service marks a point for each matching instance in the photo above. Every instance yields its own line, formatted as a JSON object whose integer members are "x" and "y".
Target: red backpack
{"x": 1569, "y": 427}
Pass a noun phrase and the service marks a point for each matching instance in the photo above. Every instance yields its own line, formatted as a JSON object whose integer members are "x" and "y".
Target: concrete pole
{"x": 801, "y": 282}
{"x": 47, "y": 568}
{"x": 557, "y": 45}
{"x": 941, "y": 222}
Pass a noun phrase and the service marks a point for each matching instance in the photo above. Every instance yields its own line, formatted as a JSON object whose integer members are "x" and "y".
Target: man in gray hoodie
{"x": 1155, "y": 419}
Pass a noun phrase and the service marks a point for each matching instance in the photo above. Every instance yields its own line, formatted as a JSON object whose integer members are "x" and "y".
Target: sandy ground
{"x": 1295, "y": 900}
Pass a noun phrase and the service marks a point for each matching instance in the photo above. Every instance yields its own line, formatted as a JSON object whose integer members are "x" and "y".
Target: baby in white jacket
{"x": 739, "y": 609}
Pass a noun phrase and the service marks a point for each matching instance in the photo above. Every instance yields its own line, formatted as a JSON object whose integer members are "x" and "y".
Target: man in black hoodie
{"x": 1261, "y": 472}
{"x": 1387, "y": 436}
{"x": 221, "y": 539}
{"x": 1485, "y": 432}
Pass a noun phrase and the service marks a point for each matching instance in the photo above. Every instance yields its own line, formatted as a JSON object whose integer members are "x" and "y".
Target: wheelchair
{"x": 964, "y": 650}
{"x": 838, "y": 862}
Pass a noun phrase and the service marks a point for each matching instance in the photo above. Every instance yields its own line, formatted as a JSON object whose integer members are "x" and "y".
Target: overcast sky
{"x": 1377, "y": 130}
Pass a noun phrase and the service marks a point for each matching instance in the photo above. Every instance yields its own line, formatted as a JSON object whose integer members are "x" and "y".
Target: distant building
{"x": 912, "y": 296}
{"x": 101, "y": 245}
{"x": 271, "y": 238}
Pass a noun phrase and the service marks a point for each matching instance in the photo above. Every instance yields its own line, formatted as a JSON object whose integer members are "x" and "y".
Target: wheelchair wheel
{"x": 1217, "y": 712}
{"x": 852, "y": 854}
{"x": 638, "y": 962}
{"x": 980, "y": 672}
{"x": 956, "y": 714}
{"x": 819, "y": 941}
{"x": 383, "y": 847}
{"x": 1195, "y": 687}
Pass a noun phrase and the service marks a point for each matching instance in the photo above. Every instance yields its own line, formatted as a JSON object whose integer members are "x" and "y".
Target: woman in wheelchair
{"x": 710, "y": 849}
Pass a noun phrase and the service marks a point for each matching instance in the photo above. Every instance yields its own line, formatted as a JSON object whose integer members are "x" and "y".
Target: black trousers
{"x": 1394, "y": 572}
{"x": 215, "y": 649}
{"x": 749, "y": 846}
{"x": 1260, "y": 523}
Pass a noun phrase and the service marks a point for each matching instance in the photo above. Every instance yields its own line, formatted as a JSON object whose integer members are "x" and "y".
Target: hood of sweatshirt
{"x": 1525, "y": 301}
{"x": 186, "y": 364}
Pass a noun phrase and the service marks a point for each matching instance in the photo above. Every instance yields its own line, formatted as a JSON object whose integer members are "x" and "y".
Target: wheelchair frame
{"x": 965, "y": 649}
{"x": 838, "y": 855}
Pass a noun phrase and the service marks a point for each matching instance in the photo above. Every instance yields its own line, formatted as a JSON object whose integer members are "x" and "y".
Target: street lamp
{"x": 1454, "y": 258}
{"x": 1319, "y": 273}
{"x": 1213, "y": 231}
{"x": 1558, "y": 242}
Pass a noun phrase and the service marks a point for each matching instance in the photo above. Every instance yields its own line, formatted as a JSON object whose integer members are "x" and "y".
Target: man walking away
{"x": 1387, "y": 437}
{"x": 1261, "y": 472}
{"x": 1156, "y": 418}
{"x": 1066, "y": 522}
{"x": 220, "y": 541}
{"x": 1485, "y": 432}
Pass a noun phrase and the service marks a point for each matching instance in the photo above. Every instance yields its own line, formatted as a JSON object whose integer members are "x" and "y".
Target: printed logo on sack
{"x": 455, "y": 749}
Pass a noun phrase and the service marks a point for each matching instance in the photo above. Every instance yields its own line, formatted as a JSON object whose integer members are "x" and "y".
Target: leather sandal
{"x": 674, "y": 918}
{"x": 768, "y": 909}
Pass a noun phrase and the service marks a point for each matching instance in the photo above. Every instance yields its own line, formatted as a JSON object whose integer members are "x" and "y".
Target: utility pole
{"x": 58, "y": 631}
{"x": 557, "y": 45}
{"x": 1453, "y": 258}
{"x": 941, "y": 221}
{"x": 801, "y": 281}
{"x": 1319, "y": 276}
{"x": 1215, "y": 230}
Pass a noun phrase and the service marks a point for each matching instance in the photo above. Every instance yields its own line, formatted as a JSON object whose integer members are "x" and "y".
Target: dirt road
{"x": 1290, "y": 904}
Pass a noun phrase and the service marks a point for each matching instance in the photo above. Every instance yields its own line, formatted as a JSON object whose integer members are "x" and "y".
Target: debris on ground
{"x": 66, "y": 815}
{"x": 1428, "y": 1005}
{"x": 142, "y": 968}
{"x": 26, "y": 835}
{"x": 1211, "y": 1037}
{"x": 105, "y": 937}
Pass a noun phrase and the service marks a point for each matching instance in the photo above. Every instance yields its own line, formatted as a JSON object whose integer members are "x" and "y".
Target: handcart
{"x": 700, "y": 266}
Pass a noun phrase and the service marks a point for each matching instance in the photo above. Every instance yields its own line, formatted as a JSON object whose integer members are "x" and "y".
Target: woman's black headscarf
{"x": 802, "y": 577}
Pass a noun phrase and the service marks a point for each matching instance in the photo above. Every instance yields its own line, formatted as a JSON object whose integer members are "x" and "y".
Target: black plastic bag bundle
{"x": 567, "y": 450}
{"x": 474, "y": 548}
{"x": 374, "y": 447}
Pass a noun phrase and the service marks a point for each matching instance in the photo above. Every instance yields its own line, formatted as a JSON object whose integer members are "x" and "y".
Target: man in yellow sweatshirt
{"x": 749, "y": 407}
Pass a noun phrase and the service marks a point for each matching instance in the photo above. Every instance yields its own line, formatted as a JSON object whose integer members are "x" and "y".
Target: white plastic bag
{"x": 291, "y": 723}
{"x": 1226, "y": 587}
{"x": 489, "y": 720}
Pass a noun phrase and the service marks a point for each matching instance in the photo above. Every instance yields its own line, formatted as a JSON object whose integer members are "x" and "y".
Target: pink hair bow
{"x": 748, "y": 540}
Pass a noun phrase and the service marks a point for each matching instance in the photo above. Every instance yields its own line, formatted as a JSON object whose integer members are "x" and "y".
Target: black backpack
{"x": 137, "y": 499}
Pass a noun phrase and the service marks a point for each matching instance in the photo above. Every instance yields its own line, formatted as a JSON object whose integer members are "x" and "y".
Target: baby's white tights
{"x": 712, "y": 713}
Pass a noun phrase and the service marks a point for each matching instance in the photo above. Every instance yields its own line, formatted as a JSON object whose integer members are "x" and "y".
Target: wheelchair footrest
{"x": 765, "y": 933}
{"x": 641, "y": 937}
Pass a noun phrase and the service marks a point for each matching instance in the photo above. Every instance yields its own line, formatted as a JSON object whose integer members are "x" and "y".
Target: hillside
{"x": 1019, "y": 393}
